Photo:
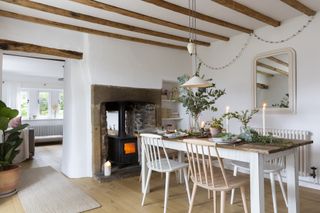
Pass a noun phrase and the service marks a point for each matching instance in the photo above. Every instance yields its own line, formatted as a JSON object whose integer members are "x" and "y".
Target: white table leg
{"x": 292, "y": 182}
{"x": 144, "y": 170}
{"x": 256, "y": 183}
{"x": 181, "y": 158}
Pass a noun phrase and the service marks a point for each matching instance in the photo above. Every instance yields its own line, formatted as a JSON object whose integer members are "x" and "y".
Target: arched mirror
{"x": 274, "y": 80}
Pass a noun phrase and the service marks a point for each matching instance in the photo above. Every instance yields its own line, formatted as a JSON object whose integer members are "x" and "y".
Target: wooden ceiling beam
{"x": 276, "y": 60}
{"x": 86, "y": 30}
{"x": 96, "y": 20}
{"x": 274, "y": 69}
{"x": 132, "y": 14}
{"x": 264, "y": 73}
{"x": 32, "y": 48}
{"x": 233, "y": 5}
{"x": 300, "y": 7}
{"x": 187, "y": 12}
{"x": 262, "y": 86}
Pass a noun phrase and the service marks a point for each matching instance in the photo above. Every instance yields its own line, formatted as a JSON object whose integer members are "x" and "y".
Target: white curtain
{"x": 10, "y": 94}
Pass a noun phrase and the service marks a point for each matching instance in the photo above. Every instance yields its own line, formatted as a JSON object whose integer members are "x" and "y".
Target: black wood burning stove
{"x": 122, "y": 148}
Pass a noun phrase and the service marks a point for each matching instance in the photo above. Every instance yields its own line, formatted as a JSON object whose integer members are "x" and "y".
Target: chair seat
{"x": 175, "y": 165}
{"x": 218, "y": 183}
{"x": 268, "y": 167}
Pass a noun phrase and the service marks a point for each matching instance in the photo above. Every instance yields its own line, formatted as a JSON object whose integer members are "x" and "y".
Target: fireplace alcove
{"x": 127, "y": 118}
{"x": 100, "y": 95}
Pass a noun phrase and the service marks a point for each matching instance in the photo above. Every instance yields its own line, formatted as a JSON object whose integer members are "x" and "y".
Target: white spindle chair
{"x": 154, "y": 149}
{"x": 205, "y": 175}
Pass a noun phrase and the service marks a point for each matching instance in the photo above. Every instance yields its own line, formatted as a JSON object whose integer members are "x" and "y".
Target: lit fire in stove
{"x": 129, "y": 148}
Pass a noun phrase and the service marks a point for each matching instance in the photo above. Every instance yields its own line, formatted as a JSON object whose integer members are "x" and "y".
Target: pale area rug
{"x": 44, "y": 190}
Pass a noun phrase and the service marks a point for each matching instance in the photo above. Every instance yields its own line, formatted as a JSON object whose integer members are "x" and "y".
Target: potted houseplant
{"x": 197, "y": 100}
{"x": 216, "y": 126}
{"x": 9, "y": 142}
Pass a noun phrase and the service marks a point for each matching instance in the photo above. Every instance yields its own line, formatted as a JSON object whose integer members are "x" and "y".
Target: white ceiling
{"x": 273, "y": 8}
{"x": 26, "y": 66}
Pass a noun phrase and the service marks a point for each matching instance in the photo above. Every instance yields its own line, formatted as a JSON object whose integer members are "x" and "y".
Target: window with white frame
{"x": 41, "y": 103}
{"x": 44, "y": 104}
{"x": 61, "y": 104}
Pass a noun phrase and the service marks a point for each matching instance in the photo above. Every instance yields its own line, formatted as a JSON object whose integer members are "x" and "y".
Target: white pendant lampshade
{"x": 196, "y": 82}
{"x": 191, "y": 48}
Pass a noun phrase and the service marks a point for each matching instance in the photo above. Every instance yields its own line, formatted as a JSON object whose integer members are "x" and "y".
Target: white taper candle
{"x": 264, "y": 118}
{"x": 227, "y": 119}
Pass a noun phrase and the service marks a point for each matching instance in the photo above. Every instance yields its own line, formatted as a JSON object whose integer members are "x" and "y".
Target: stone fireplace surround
{"x": 101, "y": 94}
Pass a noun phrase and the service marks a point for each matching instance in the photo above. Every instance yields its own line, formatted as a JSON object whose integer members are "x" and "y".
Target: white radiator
{"x": 303, "y": 156}
{"x": 46, "y": 130}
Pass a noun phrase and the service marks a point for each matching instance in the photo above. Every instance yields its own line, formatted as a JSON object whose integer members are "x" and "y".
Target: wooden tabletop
{"x": 259, "y": 148}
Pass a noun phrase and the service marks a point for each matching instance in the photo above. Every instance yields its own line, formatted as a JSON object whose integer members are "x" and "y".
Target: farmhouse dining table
{"x": 255, "y": 155}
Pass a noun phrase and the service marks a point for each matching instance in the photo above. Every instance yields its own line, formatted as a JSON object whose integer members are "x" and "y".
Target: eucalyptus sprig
{"x": 244, "y": 116}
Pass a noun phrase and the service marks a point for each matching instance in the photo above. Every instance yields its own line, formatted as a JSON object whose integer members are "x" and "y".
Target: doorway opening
{"x": 34, "y": 86}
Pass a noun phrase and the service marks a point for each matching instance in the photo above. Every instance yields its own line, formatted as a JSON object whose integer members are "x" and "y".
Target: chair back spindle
{"x": 154, "y": 150}
{"x": 200, "y": 159}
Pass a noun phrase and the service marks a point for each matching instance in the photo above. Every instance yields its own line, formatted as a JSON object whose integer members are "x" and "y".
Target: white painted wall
{"x": 77, "y": 148}
{"x": 237, "y": 79}
{"x": 106, "y": 61}
{"x": 120, "y": 63}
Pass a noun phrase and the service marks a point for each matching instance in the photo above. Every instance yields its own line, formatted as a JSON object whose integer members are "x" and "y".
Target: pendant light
{"x": 195, "y": 81}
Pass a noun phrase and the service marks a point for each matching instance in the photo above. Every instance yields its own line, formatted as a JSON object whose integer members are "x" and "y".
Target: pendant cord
{"x": 190, "y": 25}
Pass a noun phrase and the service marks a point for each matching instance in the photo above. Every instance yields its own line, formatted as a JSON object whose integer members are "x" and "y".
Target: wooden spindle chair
{"x": 205, "y": 175}
{"x": 154, "y": 149}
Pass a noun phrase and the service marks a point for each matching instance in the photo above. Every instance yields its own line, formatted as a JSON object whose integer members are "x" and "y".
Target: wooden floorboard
{"x": 124, "y": 195}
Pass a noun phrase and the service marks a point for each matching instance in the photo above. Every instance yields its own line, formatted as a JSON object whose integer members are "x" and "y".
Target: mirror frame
{"x": 291, "y": 80}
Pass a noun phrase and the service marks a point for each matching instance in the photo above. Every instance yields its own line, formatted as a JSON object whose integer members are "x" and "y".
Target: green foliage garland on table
{"x": 252, "y": 136}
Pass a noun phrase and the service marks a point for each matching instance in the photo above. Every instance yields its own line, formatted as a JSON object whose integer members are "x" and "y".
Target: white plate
{"x": 221, "y": 141}
{"x": 176, "y": 135}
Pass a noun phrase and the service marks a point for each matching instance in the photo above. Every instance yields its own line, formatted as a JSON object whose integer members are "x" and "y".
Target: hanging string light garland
{"x": 233, "y": 60}
{"x": 289, "y": 37}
